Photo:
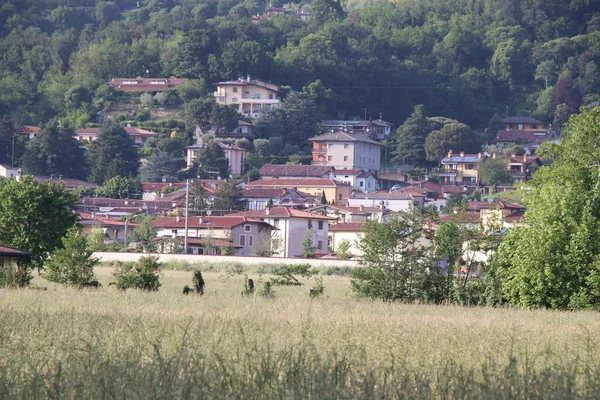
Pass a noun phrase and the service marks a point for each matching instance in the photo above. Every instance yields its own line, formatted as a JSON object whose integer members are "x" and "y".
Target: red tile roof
{"x": 295, "y": 171}
{"x": 484, "y": 205}
{"x": 89, "y": 218}
{"x": 346, "y": 171}
{"x": 281, "y": 212}
{"x": 523, "y": 136}
{"x": 156, "y": 186}
{"x": 226, "y": 221}
{"x": 461, "y": 218}
{"x": 131, "y": 131}
{"x": 343, "y": 137}
{"x": 346, "y": 227}
{"x": 294, "y": 182}
{"x": 27, "y": 130}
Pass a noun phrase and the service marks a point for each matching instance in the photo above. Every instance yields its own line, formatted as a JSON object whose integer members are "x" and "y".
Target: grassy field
{"x": 67, "y": 343}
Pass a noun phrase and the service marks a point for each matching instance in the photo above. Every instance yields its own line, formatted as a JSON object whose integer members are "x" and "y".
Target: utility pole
{"x": 187, "y": 202}
{"x": 12, "y": 164}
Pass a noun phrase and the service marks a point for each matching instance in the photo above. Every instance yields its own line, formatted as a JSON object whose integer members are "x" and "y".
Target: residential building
{"x": 117, "y": 208}
{"x": 28, "y": 130}
{"x": 10, "y": 254}
{"x": 347, "y": 151}
{"x": 344, "y": 214}
{"x": 273, "y": 11}
{"x": 460, "y": 168}
{"x": 252, "y": 96}
{"x": 236, "y": 156}
{"x": 258, "y": 198}
{"x": 523, "y": 167}
{"x": 346, "y": 231}
{"x": 377, "y": 129}
{"x": 498, "y": 215}
{"x": 523, "y": 123}
{"x": 433, "y": 193}
{"x": 294, "y": 226}
{"x": 242, "y": 130}
{"x": 10, "y": 172}
{"x": 249, "y": 235}
{"x": 140, "y": 84}
{"x": 392, "y": 201}
{"x": 334, "y": 191}
{"x": 362, "y": 181}
{"x": 69, "y": 183}
{"x": 294, "y": 171}
{"x": 139, "y": 136}
{"x": 508, "y": 138}
{"x": 115, "y": 230}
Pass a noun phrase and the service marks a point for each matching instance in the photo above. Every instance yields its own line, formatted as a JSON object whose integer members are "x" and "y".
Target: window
{"x": 174, "y": 231}
{"x": 1, "y": 262}
{"x": 234, "y": 89}
{"x": 345, "y": 158}
{"x": 276, "y": 222}
{"x": 520, "y": 126}
{"x": 234, "y": 100}
{"x": 361, "y": 183}
{"x": 242, "y": 240}
{"x": 256, "y": 96}
{"x": 320, "y": 225}
{"x": 470, "y": 166}
{"x": 320, "y": 245}
{"x": 251, "y": 240}
{"x": 454, "y": 166}
{"x": 246, "y": 228}
{"x": 247, "y": 92}
{"x": 329, "y": 158}
{"x": 345, "y": 145}
{"x": 309, "y": 224}
{"x": 340, "y": 196}
{"x": 270, "y": 96}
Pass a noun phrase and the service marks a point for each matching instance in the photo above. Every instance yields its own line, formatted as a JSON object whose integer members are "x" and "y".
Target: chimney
{"x": 362, "y": 208}
{"x": 248, "y": 78}
{"x": 267, "y": 210}
{"x": 513, "y": 155}
{"x": 177, "y": 218}
{"x": 524, "y": 158}
{"x": 200, "y": 220}
{"x": 478, "y": 155}
{"x": 449, "y": 153}
{"x": 494, "y": 156}
{"x": 462, "y": 154}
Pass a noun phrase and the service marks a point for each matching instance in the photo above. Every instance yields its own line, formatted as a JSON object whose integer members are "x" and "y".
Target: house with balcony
{"x": 460, "y": 168}
{"x": 336, "y": 192}
{"x": 376, "y": 129}
{"x": 523, "y": 167}
{"x": 259, "y": 198}
{"x": 293, "y": 226}
{"x": 138, "y": 135}
{"x": 361, "y": 181}
{"x": 347, "y": 151}
{"x": 251, "y": 96}
{"x": 390, "y": 201}
{"x": 244, "y": 233}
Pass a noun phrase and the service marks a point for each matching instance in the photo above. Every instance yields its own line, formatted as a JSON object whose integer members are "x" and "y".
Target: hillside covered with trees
{"x": 462, "y": 59}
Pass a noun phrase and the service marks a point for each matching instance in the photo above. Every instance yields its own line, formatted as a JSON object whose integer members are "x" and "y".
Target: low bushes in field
{"x": 142, "y": 275}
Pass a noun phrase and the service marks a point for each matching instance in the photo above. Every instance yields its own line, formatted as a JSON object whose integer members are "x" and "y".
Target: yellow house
{"x": 523, "y": 123}
{"x": 252, "y": 96}
{"x": 334, "y": 191}
{"x": 460, "y": 168}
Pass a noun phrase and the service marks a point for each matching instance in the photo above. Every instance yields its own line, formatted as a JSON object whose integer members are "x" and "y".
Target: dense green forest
{"x": 462, "y": 59}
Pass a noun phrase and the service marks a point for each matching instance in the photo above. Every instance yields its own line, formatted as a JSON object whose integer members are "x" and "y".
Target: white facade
{"x": 359, "y": 180}
{"x": 347, "y": 151}
{"x": 397, "y": 202}
{"x": 10, "y": 172}
{"x": 287, "y": 241}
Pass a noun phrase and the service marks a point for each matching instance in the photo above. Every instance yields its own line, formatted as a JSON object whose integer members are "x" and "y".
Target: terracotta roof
{"x": 131, "y": 131}
{"x": 346, "y": 227}
{"x": 226, "y": 221}
{"x": 343, "y": 137}
{"x": 352, "y": 210}
{"x": 525, "y": 159}
{"x": 520, "y": 120}
{"x": 226, "y": 146}
{"x": 249, "y": 81}
{"x": 484, "y": 205}
{"x": 88, "y": 218}
{"x": 356, "y": 171}
{"x": 523, "y": 136}
{"x": 515, "y": 216}
{"x": 146, "y": 84}
{"x": 13, "y": 252}
{"x": 383, "y": 195}
{"x": 27, "y": 130}
{"x": 128, "y": 203}
{"x": 280, "y": 212}
{"x": 296, "y": 171}
{"x": 458, "y": 189}
{"x": 294, "y": 182}
{"x": 461, "y": 218}
{"x": 272, "y": 193}
{"x": 156, "y": 186}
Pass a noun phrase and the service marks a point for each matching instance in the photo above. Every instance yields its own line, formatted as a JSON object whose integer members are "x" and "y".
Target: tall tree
{"x": 228, "y": 199}
{"x": 554, "y": 260}
{"x": 494, "y": 171}
{"x": 35, "y": 216}
{"x": 159, "y": 165}
{"x": 410, "y": 138}
{"x": 55, "y": 151}
{"x": 567, "y": 92}
{"x": 112, "y": 154}
{"x": 211, "y": 159}
{"x": 450, "y": 135}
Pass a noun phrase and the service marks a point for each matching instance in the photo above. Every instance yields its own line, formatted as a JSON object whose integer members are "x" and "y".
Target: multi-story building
{"x": 337, "y": 192}
{"x": 252, "y": 96}
{"x": 523, "y": 123}
{"x": 236, "y": 156}
{"x": 377, "y": 129}
{"x": 347, "y": 151}
{"x": 460, "y": 168}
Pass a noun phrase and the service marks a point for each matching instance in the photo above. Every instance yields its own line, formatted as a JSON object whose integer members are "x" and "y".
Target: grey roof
{"x": 520, "y": 120}
{"x": 296, "y": 171}
{"x": 468, "y": 158}
{"x": 343, "y": 137}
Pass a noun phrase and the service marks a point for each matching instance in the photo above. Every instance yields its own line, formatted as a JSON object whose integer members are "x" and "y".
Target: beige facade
{"x": 252, "y": 96}
{"x": 347, "y": 151}
{"x": 460, "y": 168}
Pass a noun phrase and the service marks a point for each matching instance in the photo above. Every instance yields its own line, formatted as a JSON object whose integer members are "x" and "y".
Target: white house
{"x": 138, "y": 135}
{"x": 393, "y": 201}
{"x": 10, "y": 172}
{"x": 258, "y": 198}
{"x": 357, "y": 178}
{"x": 293, "y": 227}
{"x": 251, "y": 96}
{"x": 347, "y": 151}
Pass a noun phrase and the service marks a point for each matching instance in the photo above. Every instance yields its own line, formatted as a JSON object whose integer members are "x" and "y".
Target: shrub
{"x": 199, "y": 283}
{"x": 14, "y": 276}
{"x": 143, "y": 275}
{"x": 343, "y": 247}
{"x": 248, "y": 286}
{"x": 318, "y": 289}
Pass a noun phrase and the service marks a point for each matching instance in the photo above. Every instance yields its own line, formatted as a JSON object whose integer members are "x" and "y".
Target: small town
{"x": 315, "y": 199}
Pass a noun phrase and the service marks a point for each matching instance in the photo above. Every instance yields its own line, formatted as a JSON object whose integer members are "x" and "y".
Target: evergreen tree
{"x": 159, "y": 165}
{"x": 112, "y": 154}
{"x": 229, "y": 199}
{"x": 54, "y": 151}
{"x": 410, "y": 138}
{"x": 211, "y": 158}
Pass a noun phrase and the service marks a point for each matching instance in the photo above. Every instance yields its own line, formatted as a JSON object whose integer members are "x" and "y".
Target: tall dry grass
{"x": 67, "y": 343}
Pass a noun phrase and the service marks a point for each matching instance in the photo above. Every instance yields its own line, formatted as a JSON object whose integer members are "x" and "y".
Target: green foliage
{"x": 145, "y": 233}
{"x": 449, "y": 135}
{"x": 112, "y": 154}
{"x": 410, "y": 138}
{"x": 553, "y": 260}
{"x": 211, "y": 159}
{"x": 15, "y": 276}
{"x": 72, "y": 264}
{"x": 494, "y": 171}
{"x": 308, "y": 248}
{"x": 142, "y": 275}
{"x": 286, "y": 276}
{"x": 318, "y": 289}
{"x": 198, "y": 281}
{"x": 343, "y": 249}
{"x": 35, "y": 216}
{"x": 248, "y": 286}
{"x": 96, "y": 238}
{"x": 159, "y": 165}
{"x": 119, "y": 187}
{"x": 228, "y": 199}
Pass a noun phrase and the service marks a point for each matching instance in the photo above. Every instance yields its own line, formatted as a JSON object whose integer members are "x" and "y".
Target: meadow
{"x": 102, "y": 343}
